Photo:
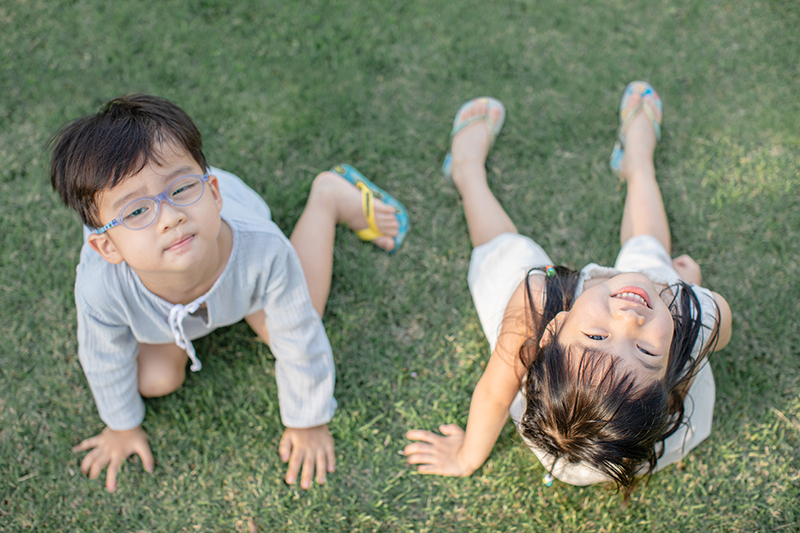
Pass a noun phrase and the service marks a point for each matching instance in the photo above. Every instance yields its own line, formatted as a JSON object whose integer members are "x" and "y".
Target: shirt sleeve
{"x": 108, "y": 356}
{"x": 304, "y": 360}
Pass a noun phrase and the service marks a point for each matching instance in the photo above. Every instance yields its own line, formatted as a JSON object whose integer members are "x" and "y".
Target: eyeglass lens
{"x": 182, "y": 192}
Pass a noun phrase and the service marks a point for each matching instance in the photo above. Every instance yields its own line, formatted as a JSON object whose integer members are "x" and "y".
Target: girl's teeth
{"x": 630, "y": 295}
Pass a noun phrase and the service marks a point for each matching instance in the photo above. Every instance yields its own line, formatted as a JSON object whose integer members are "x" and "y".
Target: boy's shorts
{"x": 496, "y": 270}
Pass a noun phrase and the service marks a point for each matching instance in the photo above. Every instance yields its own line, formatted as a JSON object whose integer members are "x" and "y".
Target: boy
{"x": 174, "y": 249}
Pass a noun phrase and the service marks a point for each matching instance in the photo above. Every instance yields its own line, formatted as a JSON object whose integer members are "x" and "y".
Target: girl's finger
{"x": 425, "y": 436}
{"x": 450, "y": 429}
{"x": 417, "y": 447}
{"x": 421, "y": 458}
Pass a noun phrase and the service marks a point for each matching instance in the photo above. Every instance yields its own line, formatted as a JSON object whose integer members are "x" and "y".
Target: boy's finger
{"x": 97, "y": 466}
{"x": 331, "y": 456}
{"x": 321, "y": 468}
{"x": 295, "y": 462}
{"x": 90, "y": 458}
{"x": 147, "y": 457}
{"x": 85, "y": 445}
{"x": 308, "y": 471}
{"x": 285, "y": 447}
{"x": 111, "y": 475}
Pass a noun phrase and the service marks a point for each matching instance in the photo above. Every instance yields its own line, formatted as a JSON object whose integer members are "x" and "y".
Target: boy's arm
{"x": 459, "y": 453}
{"x": 108, "y": 357}
{"x": 304, "y": 369}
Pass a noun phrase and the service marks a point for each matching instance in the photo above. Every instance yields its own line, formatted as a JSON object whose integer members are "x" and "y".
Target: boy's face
{"x": 178, "y": 240}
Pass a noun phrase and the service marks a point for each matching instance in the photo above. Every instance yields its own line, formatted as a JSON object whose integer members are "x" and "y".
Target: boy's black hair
{"x": 581, "y": 409}
{"x": 97, "y": 152}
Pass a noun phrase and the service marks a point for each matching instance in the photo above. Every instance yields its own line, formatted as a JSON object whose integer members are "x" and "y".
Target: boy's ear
{"x": 213, "y": 186}
{"x": 552, "y": 328}
{"x": 103, "y": 246}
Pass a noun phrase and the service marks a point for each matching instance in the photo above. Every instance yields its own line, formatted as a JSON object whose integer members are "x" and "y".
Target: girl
{"x": 602, "y": 370}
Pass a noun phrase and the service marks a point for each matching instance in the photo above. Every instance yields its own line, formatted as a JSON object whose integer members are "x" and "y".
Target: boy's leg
{"x": 486, "y": 218}
{"x": 644, "y": 210}
{"x": 332, "y": 201}
{"x": 162, "y": 369}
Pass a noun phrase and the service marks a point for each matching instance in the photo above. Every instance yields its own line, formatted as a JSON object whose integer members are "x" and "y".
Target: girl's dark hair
{"x": 96, "y": 152}
{"x": 582, "y": 409}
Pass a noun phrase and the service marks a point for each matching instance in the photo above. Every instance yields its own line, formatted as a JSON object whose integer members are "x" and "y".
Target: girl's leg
{"x": 644, "y": 210}
{"x": 332, "y": 201}
{"x": 486, "y": 219}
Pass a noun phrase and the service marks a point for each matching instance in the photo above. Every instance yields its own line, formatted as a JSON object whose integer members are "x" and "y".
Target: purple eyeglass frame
{"x": 157, "y": 199}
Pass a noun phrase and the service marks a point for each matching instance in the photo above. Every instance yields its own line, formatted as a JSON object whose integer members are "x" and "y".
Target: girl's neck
{"x": 185, "y": 287}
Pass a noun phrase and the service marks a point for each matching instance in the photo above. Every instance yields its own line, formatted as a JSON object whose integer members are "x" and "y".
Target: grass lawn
{"x": 283, "y": 90}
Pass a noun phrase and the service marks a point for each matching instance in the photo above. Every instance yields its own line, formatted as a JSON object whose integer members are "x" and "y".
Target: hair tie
{"x": 548, "y": 478}
{"x": 550, "y": 271}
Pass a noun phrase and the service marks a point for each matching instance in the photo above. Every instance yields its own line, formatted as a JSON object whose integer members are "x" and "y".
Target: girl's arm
{"x": 724, "y": 321}
{"x": 457, "y": 453}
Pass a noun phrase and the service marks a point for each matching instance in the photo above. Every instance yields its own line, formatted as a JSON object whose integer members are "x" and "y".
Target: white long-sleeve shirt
{"x": 116, "y": 312}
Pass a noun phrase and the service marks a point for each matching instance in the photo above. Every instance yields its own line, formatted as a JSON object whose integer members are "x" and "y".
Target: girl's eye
{"x": 596, "y": 337}
{"x": 646, "y": 352}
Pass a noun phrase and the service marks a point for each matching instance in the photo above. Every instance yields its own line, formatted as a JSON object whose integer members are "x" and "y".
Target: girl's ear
{"x": 552, "y": 328}
{"x": 103, "y": 246}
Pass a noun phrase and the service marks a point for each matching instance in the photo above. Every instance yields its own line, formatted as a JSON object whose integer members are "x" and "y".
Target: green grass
{"x": 282, "y": 90}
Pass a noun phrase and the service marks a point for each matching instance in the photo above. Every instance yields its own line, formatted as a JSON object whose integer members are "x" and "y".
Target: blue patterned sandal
{"x": 458, "y": 125}
{"x": 626, "y": 117}
{"x": 369, "y": 193}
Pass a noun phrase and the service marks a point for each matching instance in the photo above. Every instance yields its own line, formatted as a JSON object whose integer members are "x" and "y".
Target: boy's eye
{"x": 183, "y": 189}
{"x": 135, "y": 213}
{"x": 596, "y": 337}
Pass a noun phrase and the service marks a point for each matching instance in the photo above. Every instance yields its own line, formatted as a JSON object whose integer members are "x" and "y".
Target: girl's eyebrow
{"x": 648, "y": 366}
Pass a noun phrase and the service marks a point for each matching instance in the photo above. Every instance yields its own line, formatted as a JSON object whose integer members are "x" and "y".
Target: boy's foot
{"x": 470, "y": 146}
{"x": 345, "y": 199}
{"x": 640, "y": 127}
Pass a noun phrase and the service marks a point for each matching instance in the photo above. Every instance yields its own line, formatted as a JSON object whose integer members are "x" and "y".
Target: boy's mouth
{"x": 634, "y": 294}
{"x": 180, "y": 243}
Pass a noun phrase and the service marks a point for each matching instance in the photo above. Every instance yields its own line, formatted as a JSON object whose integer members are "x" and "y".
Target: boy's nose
{"x": 169, "y": 215}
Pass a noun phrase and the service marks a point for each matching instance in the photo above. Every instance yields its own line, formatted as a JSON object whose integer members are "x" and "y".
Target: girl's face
{"x": 626, "y": 317}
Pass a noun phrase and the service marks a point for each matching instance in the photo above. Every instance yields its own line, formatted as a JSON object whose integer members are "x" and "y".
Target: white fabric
{"x": 495, "y": 271}
{"x": 116, "y": 312}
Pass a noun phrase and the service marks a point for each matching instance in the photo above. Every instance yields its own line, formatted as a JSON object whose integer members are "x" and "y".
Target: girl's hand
{"x": 687, "y": 269}
{"x": 112, "y": 448}
{"x": 436, "y": 454}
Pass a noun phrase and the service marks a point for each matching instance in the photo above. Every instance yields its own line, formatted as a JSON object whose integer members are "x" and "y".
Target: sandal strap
{"x": 368, "y": 208}
{"x": 629, "y": 118}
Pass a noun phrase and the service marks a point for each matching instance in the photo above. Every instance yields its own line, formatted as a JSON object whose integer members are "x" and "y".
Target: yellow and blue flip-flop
{"x": 625, "y": 117}
{"x": 459, "y": 124}
{"x": 369, "y": 193}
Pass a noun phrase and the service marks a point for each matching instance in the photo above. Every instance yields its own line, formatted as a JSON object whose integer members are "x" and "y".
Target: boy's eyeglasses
{"x": 142, "y": 212}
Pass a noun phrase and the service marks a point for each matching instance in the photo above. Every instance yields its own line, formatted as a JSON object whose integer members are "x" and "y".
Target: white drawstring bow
{"x": 176, "y": 316}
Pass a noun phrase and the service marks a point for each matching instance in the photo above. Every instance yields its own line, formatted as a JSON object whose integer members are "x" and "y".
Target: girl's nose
{"x": 630, "y": 316}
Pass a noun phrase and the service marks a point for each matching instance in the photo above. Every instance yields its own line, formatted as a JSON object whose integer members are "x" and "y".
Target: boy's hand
{"x": 687, "y": 269}
{"x": 112, "y": 448}
{"x": 309, "y": 448}
{"x": 437, "y": 454}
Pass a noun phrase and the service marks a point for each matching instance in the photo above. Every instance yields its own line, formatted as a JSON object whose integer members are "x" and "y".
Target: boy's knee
{"x": 162, "y": 369}
{"x": 153, "y": 385}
